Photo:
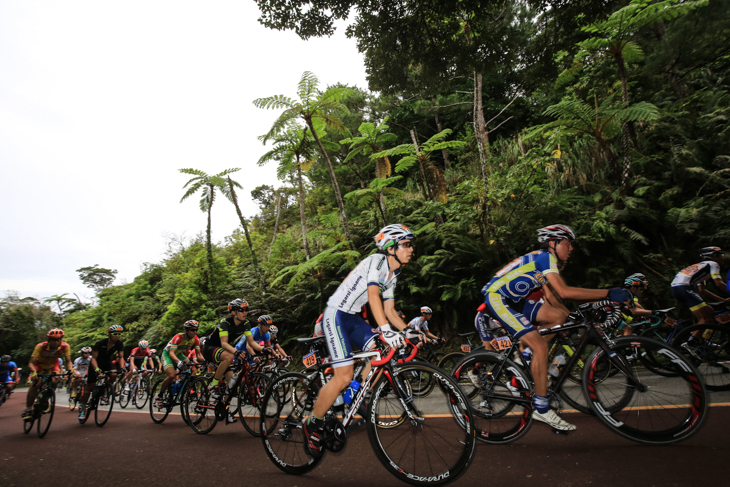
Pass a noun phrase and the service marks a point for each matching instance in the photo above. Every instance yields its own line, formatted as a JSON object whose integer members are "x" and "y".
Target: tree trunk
{"x": 444, "y": 152}
{"x": 301, "y": 210}
{"x": 208, "y": 244}
{"x": 276, "y": 225}
{"x": 336, "y": 186}
{"x": 234, "y": 197}
{"x": 481, "y": 132}
{"x": 625, "y": 129}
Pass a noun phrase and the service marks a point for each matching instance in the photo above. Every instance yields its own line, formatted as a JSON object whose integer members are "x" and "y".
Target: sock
{"x": 315, "y": 421}
{"x": 541, "y": 404}
{"x": 214, "y": 382}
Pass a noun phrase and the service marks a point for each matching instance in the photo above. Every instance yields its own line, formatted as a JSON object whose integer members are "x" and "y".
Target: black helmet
{"x": 238, "y": 305}
{"x": 265, "y": 320}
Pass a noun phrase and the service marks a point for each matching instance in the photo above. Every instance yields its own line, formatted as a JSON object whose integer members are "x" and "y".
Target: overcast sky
{"x": 102, "y": 102}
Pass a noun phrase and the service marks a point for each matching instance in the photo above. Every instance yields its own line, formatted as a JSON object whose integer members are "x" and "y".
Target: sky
{"x": 102, "y": 102}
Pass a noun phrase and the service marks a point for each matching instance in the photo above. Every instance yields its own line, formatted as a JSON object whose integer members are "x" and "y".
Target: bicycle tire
{"x": 141, "y": 394}
{"x": 28, "y": 425}
{"x": 440, "y": 430}
{"x": 46, "y": 408}
{"x": 449, "y": 361}
{"x": 201, "y": 414}
{"x": 499, "y": 415}
{"x": 90, "y": 404}
{"x": 711, "y": 356}
{"x": 660, "y": 409}
{"x": 104, "y": 405}
{"x": 73, "y": 402}
{"x": 249, "y": 402}
{"x": 3, "y": 394}
{"x": 182, "y": 399}
{"x": 124, "y": 397}
{"x": 158, "y": 414}
{"x": 659, "y": 365}
{"x": 281, "y": 431}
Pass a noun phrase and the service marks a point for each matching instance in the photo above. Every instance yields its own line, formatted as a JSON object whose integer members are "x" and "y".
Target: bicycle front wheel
{"x": 710, "y": 353}
{"x": 640, "y": 404}
{"x": 435, "y": 444}
{"x": 73, "y": 401}
{"x": 158, "y": 409}
{"x": 660, "y": 365}
{"x": 105, "y": 405}
{"x": 46, "y": 407}
{"x": 200, "y": 407}
{"x": 250, "y": 399}
{"x": 281, "y": 422}
{"x": 141, "y": 393}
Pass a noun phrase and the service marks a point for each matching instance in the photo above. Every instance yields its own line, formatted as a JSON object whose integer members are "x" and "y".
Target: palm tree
{"x": 206, "y": 184}
{"x": 310, "y": 107}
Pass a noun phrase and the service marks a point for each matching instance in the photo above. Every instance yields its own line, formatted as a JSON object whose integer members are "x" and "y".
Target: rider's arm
{"x": 553, "y": 301}
{"x": 721, "y": 285}
{"x": 576, "y": 293}
{"x": 706, "y": 293}
{"x": 94, "y": 364}
{"x": 250, "y": 342}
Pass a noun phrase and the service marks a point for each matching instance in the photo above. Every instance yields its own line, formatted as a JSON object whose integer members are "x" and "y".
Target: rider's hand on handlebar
{"x": 390, "y": 336}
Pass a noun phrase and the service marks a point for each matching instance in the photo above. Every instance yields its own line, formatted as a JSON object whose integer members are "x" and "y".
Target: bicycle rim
{"x": 659, "y": 364}
{"x": 124, "y": 397}
{"x": 281, "y": 422}
{"x": 711, "y": 356}
{"x": 158, "y": 413}
{"x": 140, "y": 395}
{"x": 659, "y": 409}
{"x": 104, "y": 405}
{"x": 250, "y": 399}
{"x": 47, "y": 405}
{"x": 436, "y": 443}
{"x": 499, "y": 416}
{"x": 200, "y": 411}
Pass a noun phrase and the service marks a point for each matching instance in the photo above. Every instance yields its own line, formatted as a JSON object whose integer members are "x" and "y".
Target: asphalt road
{"x": 131, "y": 450}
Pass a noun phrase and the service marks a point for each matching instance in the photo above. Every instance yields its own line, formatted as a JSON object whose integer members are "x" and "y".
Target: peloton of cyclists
{"x": 80, "y": 368}
{"x": 8, "y": 375}
{"x": 181, "y": 344}
{"x": 103, "y": 353}
{"x": 44, "y": 360}
{"x": 346, "y": 331}
{"x": 505, "y": 296}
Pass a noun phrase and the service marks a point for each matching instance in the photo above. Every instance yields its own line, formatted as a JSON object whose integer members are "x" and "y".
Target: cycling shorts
{"x": 515, "y": 322}
{"x": 345, "y": 332}
{"x": 687, "y": 296}
{"x": 484, "y": 327}
{"x": 211, "y": 353}
{"x": 7, "y": 379}
{"x": 167, "y": 361}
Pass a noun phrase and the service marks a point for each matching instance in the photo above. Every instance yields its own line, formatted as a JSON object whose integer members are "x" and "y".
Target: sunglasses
{"x": 243, "y": 310}
{"x": 116, "y": 334}
{"x": 407, "y": 245}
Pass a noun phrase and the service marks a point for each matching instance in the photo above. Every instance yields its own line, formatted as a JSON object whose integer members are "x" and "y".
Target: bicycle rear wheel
{"x": 250, "y": 399}
{"x": 435, "y": 445}
{"x": 500, "y": 398}
{"x": 124, "y": 396}
{"x": 28, "y": 425}
{"x": 645, "y": 406}
{"x": 46, "y": 406}
{"x": 159, "y": 412}
{"x": 73, "y": 401}
{"x": 199, "y": 407}
{"x": 711, "y": 355}
{"x": 281, "y": 422}
{"x": 105, "y": 405}
{"x": 141, "y": 392}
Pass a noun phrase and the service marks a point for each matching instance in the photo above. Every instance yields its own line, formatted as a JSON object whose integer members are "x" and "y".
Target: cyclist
{"x": 505, "y": 296}
{"x": 219, "y": 344}
{"x": 80, "y": 368}
{"x": 274, "y": 332}
{"x": 260, "y": 334}
{"x": 139, "y": 357}
{"x": 103, "y": 353}
{"x": 420, "y": 324}
{"x": 179, "y": 344}
{"x": 696, "y": 275}
{"x": 345, "y": 330}
{"x": 44, "y": 360}
{"x": 8, "y": 374}
{"x": 156, "y": 363}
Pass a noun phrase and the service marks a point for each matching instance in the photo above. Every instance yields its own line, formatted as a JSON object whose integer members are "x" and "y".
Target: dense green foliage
{"x": 562, "y": 114}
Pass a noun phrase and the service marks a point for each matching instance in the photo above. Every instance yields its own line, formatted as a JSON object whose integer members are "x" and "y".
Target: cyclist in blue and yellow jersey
{"x": 506, "y": 299}
{"x": 175, "y": 356}
{"x": 345, "y": 330}
{"x": 219, "y": 346}
{"x": 696, "y": 275}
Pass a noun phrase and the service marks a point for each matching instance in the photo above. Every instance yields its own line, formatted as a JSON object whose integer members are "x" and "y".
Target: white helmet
{"x": 273, "y": 330}
{"x": 143, "y": 344}
{"x": 553, "y": 232}
{"x": 392, "y": 234}
{"x": 426, "y": 310}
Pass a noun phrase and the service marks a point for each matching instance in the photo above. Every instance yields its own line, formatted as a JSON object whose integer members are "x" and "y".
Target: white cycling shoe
{"x": 553, "y": 420}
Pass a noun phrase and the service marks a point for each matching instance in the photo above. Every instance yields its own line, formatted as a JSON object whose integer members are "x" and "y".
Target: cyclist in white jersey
{"x": 420, "y": 324}
{"x": 345, "y": 330}
{"x": 80, "y": 368}
{"x": 697, "y": 275}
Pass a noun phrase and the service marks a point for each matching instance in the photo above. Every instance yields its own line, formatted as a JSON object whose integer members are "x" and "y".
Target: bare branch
{"x": 500, "y": 113}
{"x": 495, "y": 128}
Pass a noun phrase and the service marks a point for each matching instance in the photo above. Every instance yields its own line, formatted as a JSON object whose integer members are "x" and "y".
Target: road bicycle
{"x": 241, "y": 396}
{"x": 420, "y": 440}
{"x": 449, "y": 360}
{"x": 43, "y": 407}
{"x": 101, "y": 399}
{"x": 618, "y": 386}
{"x": 73, "y": 399}
{"x": 161, "y": 405}
{"x": 139, "y": 391}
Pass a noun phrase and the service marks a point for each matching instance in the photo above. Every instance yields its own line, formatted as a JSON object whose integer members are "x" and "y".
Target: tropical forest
{"x": 482, "y": 121}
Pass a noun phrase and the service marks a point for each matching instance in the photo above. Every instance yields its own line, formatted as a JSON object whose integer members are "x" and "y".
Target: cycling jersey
{"x": 181, "y": 343}
{"x": 46, "y": 359}
{"x": 81, "y": 365}
{"x": 138, "y": 353}
{"x": 6, "y": 371}
{"x": 228, "y": 329}
{"x": 697, "y": 273}
{"x": 258, "y": 337}
{"x": 522, "y": 276}
{"x": 419, "y": 324}
{"x": 105, "y": 354}
{"x": 352, "y": 294}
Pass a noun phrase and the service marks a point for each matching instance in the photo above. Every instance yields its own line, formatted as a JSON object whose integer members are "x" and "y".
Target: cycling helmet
{"x": 638, "y": 280}
{"x": 116, "y": 329}
{"x": 392, "y": 235}
{"x": 153, "y": 351}
{"x": 191, "y": 325}
{"x": 86, "y": 350}
{"x": 5, "y": 358}
{"x": 710, "y": 252}
{"x": 55, "y": 333}
{"x": 273, "y": 330}
{"x": 265, "y": 320}
{"x": 426, "y": 310}
{"x": 238, "y": 305}
{"x": 143, "y": 344}
{"x": 555, "y": 232}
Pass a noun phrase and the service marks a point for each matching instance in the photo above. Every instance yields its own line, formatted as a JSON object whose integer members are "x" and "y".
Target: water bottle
{"x": 351, "y": 391}
{"x": 339, "y": 401}
{"x": 558, "y": 361}
{"x": 175, "y": 388}
{"x": 527, "y": 355}
{"x": 232, "y": 381}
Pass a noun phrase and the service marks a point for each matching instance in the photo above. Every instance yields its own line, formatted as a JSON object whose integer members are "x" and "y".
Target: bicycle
{"x": 43, "y": 407}
{"x": 175, "y": 395}
{"x": 73, "y": 400}
{"x": 139, "y": 392}
{"x": 418, "y": 440}
{"x": 625, "y": 394}
{"x": 101, "y": 399}
{"x": 242, "y": 396}
{"x": 449, "y": 360}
